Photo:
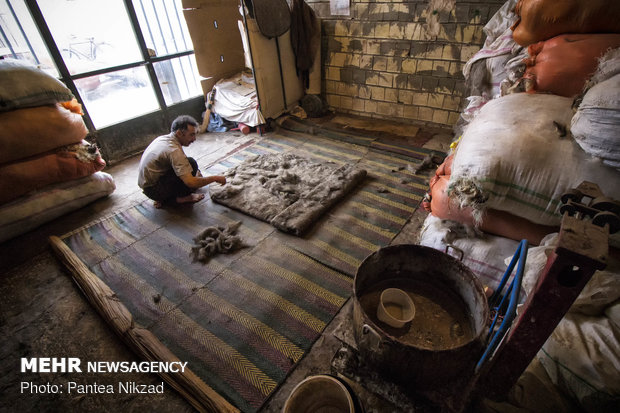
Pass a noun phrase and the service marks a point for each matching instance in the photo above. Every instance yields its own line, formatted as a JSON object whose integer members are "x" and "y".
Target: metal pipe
{"x": 21, "y": 29}
{"x": 131, "y": 12}
{"x": 65, "y": 75}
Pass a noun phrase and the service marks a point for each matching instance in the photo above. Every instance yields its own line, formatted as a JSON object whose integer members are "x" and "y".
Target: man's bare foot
{"x": 190, "y": 199}
{"x": 157, "y": 204}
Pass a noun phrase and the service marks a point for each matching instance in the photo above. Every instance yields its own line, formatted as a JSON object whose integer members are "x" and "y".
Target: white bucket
{"x": 321, "y": 393}
{"x": 395, "y": 307}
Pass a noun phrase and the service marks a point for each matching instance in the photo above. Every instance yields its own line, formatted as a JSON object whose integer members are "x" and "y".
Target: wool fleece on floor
{"x": 289, "y": 191}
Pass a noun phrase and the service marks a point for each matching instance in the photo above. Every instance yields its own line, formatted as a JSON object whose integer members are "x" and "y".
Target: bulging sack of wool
{"x": 517, "y": 156}
{"x": 43, "y": 205}
{"x": 58, "y": 165}
{"x": 563, "y": 64}
{"x": 596, "y": 123}
{"x": 543, "y": 19}
{"x": 23, "y": 86}
{"x": 32, "y": 131}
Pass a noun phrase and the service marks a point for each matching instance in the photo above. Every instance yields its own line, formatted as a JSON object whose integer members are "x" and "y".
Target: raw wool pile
{"x": 286, "y": 190}
{"x": 84, "y": 151}
{"x": 216, "y": 240}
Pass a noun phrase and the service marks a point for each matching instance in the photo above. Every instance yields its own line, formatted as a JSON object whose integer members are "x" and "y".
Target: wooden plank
{"x": 141, "y": 341}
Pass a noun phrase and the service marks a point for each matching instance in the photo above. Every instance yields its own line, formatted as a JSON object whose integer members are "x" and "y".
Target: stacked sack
{"x": 46, "y": 166}
{"x": 596, "y": 122}
{"x": 519, "y": 152}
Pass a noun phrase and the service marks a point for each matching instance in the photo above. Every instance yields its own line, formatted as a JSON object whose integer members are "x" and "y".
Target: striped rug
{"x": 368, "y": 218}
{"x": 243, "y": 320}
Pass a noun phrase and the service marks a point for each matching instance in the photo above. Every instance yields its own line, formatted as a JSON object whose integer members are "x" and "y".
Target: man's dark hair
{"x": 182, "y": 122}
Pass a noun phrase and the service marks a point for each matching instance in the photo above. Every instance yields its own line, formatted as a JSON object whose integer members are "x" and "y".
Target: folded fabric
{"x": 218, "y": 124}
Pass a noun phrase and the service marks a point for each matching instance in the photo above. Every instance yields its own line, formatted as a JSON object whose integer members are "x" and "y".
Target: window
{"x": 123, "y": 58}
{"x": 20, "y": 39}
{"x": 165, "y": 33}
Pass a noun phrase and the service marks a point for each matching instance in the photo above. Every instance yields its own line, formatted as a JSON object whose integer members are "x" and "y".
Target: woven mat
{"x": 372, "y": 214}
{"x": 243, "y": 320}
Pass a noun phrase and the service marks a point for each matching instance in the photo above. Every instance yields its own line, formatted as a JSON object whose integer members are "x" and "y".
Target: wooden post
{"x": 141, "y": 341}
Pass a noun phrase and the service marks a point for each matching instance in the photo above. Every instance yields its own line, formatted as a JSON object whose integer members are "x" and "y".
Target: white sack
{"x": 513, "y": 157}
{"x": 237, "y": 101}
{"x": 498, "y": 49}
{"x": 482, "y": 253}
{"x": 501, "y": 20}
{"x": 582, "y": 356}
{"x": 596, "y": 124}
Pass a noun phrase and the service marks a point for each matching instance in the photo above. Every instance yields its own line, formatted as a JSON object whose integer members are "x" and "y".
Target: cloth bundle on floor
{"x": 287, "y": 190}
{"x": 236, "y": 100}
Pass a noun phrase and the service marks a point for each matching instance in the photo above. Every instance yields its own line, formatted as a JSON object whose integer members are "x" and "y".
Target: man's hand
{"x": 196, "y": 182}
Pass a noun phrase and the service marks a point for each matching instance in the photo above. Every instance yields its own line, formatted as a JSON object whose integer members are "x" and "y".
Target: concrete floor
{"x": 43, "y": 313}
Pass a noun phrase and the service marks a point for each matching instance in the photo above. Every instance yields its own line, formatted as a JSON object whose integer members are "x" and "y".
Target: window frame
{"x": 68, "y": 78}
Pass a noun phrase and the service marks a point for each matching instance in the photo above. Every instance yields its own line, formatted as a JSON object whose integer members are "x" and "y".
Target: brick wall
{"x": 401, "y": 60}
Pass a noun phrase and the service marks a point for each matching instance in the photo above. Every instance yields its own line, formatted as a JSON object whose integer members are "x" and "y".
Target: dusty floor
{"x": 43, "y": 313}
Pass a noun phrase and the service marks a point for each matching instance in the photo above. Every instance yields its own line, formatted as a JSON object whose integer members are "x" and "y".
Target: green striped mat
{"x": 368, "y": 218}
{"x": 242, "y": 321}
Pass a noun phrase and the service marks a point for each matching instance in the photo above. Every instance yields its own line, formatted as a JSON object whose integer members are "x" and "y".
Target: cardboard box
{"x": 214, "y": 26}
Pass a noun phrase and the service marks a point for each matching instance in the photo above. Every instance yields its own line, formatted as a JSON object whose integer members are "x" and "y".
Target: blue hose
{"x": 513, "y": 291}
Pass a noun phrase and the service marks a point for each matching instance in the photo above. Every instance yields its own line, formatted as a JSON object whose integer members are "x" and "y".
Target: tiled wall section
{"x": 401, "y": 60}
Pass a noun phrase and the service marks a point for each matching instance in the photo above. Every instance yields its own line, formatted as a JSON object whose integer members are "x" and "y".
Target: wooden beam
{"x": 140, "y": 340}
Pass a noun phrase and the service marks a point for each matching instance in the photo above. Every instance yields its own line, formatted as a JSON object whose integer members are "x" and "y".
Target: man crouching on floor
{"x": 167, "y": 175}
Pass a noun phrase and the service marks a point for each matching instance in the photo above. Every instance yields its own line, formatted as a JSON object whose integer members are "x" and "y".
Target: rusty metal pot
{"x": 392, "y": 351}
